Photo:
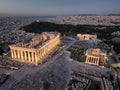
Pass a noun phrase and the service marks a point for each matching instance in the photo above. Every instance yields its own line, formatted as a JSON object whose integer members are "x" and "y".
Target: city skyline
{"x": 59, "y": 7}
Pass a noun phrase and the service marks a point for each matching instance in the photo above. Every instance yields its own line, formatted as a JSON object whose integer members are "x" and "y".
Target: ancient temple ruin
{"x": 37, "y": 49}
{"x": 95, "y": 56}
{"x": 86, "y": 36}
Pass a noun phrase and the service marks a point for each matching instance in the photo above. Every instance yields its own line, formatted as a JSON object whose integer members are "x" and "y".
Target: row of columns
{"x": 24, "y": 55}
{"x": 35, "y": 56}
{"x": 86, "y": 37}
{"x": 48, "y": 48}
{"x": 92, "y": 60}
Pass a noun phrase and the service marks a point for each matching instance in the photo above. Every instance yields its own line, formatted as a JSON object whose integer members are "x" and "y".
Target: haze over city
{"x": 59, "y": 7}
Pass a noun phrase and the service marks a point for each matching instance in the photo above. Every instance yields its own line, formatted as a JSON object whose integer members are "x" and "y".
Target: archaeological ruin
{"x": 86, "y": 36}
{"x": 95, "y": 56}
{"x": 36, "y": 50}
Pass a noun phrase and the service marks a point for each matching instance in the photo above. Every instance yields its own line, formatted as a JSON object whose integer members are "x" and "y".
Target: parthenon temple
{"x": 95, "y": 56}
{"x": 86, "y": 36}
{"x": 37, "y": 49}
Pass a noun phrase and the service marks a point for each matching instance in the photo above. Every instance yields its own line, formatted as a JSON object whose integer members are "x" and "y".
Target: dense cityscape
{"x": 87, "y": 20}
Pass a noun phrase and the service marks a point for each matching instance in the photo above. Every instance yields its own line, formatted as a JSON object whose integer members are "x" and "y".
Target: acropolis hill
{"x": 37, "y": 49}
{"x": 70, "y": 62}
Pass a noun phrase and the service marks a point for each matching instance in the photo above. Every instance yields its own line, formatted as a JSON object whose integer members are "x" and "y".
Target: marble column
{"x": 89, "y": 58}
{"x": 18, "y": 54}
{"x": 43, "y": 52}
{"x": 25, "y": 55}
{"x": 29, "y": 58}
{"x": 12, "y": 53}
{"x": 40, "y": 53}
{"x": 97, "y": 61}
{"x": 15, "y": 55}
{"x": 22, "y": 57}
{"x": 33, "y": 58}
{"x": 37, "y": 54}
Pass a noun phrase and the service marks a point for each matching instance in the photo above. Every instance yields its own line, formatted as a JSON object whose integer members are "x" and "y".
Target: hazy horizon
{"x": 58, "y": 7}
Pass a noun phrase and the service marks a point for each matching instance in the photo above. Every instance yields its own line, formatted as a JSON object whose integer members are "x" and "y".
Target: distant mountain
{"x": 113, "y": 15}
{"x": 88, "y": 15}
{"x": 98, "y": 15}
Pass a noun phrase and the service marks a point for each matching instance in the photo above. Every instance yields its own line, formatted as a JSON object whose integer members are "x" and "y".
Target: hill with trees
{"x": 103, "y": 32}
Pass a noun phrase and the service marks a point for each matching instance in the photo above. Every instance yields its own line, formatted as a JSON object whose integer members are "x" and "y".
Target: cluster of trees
{"x": 116, "y": 46}
{"x": 77, "y": 54}
{"x": 103, "y": 32}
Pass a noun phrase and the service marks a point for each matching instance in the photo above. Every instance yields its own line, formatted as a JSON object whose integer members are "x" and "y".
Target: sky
{"x": 59, "y": 7}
